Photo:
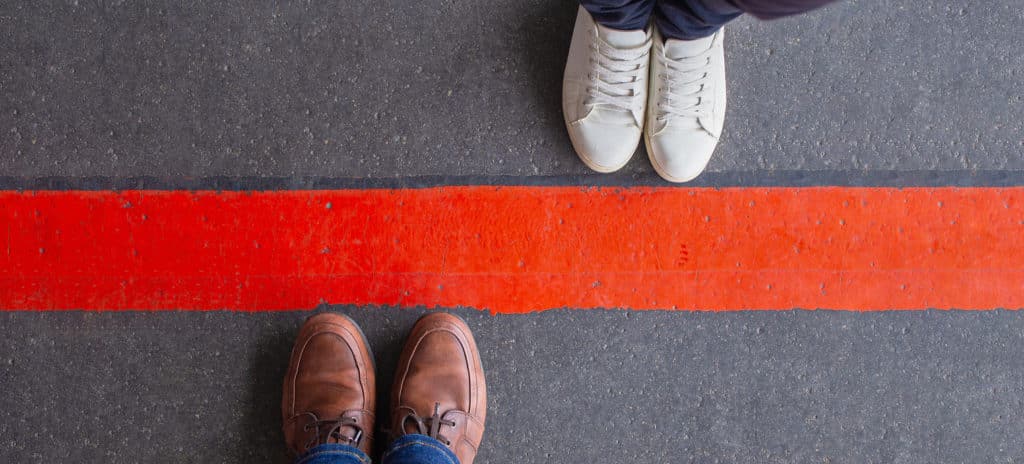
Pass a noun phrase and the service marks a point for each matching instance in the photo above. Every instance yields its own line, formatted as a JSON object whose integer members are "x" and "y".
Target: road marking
{"x": 515, "y": 249}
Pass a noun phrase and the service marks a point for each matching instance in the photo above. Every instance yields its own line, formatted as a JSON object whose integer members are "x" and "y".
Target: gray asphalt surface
{"x": 565, "y": 386}
{"x": 388, "y": 89}
{"x": 398, "y": 88}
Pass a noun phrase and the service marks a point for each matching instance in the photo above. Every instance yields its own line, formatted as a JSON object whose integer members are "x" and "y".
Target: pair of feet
{"x": 621, "y": 85}
{"x": 330, "y": 389}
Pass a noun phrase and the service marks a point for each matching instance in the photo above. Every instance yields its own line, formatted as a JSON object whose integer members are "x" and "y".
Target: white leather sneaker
{"x": 686, "y": 110}
{"x": 604, "y": 92}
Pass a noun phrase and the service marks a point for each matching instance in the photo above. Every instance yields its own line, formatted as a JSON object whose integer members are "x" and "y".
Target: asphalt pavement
{"x": 245, "y": 95}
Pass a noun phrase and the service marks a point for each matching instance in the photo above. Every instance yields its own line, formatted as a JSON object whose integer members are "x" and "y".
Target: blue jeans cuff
{"x": 414, "y": 448}
{"x": 334, "y": 453}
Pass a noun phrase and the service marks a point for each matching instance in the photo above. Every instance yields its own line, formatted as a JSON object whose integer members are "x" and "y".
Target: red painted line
{"x": 515, "y": 249}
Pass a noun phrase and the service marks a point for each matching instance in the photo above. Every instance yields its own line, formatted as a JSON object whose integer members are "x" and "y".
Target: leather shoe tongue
{"x": 678, "y": 49}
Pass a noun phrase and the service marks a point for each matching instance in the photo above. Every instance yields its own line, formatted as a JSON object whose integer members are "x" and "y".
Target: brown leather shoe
{"x": 439, "y": 386}
{"x": 329, "y": 391}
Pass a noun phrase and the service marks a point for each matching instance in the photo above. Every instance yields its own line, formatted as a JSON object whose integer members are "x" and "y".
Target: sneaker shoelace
{"x": 329, "y": 429}
{"x": 614, "y": 75}
{"x": 429, "y": 426}
{"x": 685, "y": 85}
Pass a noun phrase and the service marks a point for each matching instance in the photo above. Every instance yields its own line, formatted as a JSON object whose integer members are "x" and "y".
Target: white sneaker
{"x": 604, "y": 92}
{"x": 686, "y": 110}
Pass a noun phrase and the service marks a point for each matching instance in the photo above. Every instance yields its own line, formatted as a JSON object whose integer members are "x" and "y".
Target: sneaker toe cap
{"x": 681, "y": 157}
{"x": 604, "y": 147}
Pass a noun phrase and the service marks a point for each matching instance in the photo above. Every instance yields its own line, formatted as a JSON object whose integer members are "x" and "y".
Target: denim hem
{"x": 420, "y": 445}
{"x": 334, "y": 452}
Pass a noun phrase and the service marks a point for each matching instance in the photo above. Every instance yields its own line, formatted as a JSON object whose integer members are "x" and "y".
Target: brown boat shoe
{"x": 439, "y": 388}
{"x": 329, "y": 391}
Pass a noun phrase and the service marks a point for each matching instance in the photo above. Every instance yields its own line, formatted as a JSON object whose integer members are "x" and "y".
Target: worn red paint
{"x": 515, "y": 249}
